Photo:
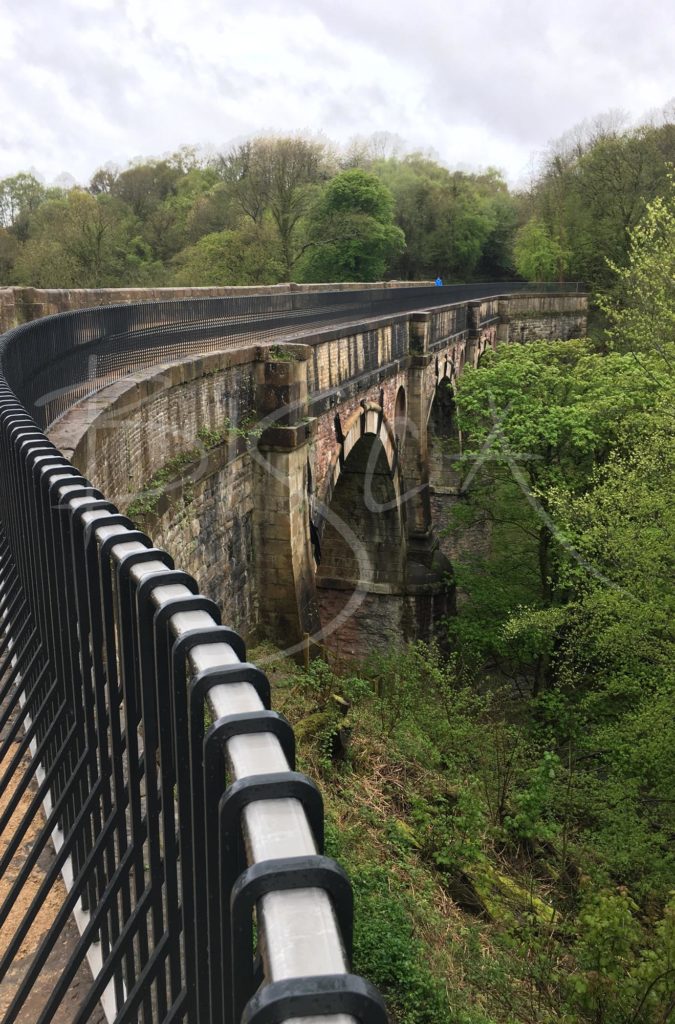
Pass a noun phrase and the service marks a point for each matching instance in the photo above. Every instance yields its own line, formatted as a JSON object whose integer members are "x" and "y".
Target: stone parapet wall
{"x": 558, "y": 315}
{"x": 551, "y": 328}
{"x": 446, "y": 322}
{"x": 120, "y": 438}
{"x": 123, "y": 435}
{"x": 346, "y": 357}
{"x": 544, "y": 302}
{"x": 206, "y": 522}
{"x": 19, "y": 305}
{"x": 488, "y": 309}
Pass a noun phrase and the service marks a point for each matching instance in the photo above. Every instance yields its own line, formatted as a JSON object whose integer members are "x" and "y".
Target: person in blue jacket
{"x": 438, "y": 282}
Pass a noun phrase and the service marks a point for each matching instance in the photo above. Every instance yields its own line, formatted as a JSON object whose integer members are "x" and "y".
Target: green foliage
{"x": 578, "y": 448}
{"x": 292, "y": 208}
{"x": 448, "y": 799}
{"x": 554, "y": 408}
{"x": 616, "y": 651}
{"x": 144, "y": 186}
{"x": 537, "y": 421}
{"x": 82, "y": 241}
{"x": 249, "y": 255}
{"x": 421, "y": 700}
{"x": 146, "y": 502}
{"x": 531, "y": 814}
{"x": 178, "y": 474}
{"x": 641, "y": 307}
{"x": 623, "y": 973}
{"x": 247, "y": 429}
{"x": 277, "y": 176}
{"x": 505, "y": 807}
{"x": 281, "y": 354}
{"x": 9, "y": 248}
{"x": 454, "y": 224}
{"x": 358, "y": 191}
{"x": 351, "y": 234}
{"x": 387, "y": 951}
{"x": 592, "y": 189}
{"x": 449, "y": 828}
{"x": 537, "y": 254}
{"x": 20, "y": 195}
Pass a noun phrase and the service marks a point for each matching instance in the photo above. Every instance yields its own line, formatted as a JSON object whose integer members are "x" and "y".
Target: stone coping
{"x": 137, "y": 387}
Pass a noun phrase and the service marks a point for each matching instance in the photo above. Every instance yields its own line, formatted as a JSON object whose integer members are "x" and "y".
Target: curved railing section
{"x": 131, "y": 716}
{"x": 61, "y": 359}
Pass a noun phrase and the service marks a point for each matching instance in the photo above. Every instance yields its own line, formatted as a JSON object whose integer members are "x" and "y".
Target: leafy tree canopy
{"x": 641, "y": 306}
{"x": 350, "y": 231}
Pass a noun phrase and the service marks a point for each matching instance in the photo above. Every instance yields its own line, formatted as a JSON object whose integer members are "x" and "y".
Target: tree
{"x": 20, "y": 195}
{"x": 538, "y": 417}
{"x": 352, "y": 236}
{"x": 144, "y": 186}
{"x": 103, "y": 180}
{"x": 82, "y": 241}
{"x": 363, "y": 151}
{"x": 279, "y": 175}
{"x": 249, "y": 255}
{"x": 170, "y": 225}
{"x": 212, "y": 210}
{"x": 641, "y": 307}
{"x": 593, "y": 187}
{"x": 571, "y": 460}
{"x": 447, "y": 218}
{"x": 614, "y": 677}
{"x": 496, "y": 259}
{"x": 8, "y": 252}
{"x": 245, "y": 174}
{"x": 537, "y": 255}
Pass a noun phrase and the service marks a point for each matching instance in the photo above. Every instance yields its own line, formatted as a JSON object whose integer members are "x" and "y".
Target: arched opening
{"x": 400, "y": 417}
{"x": 363, "y": 554}
{"x": 362, "y": 533}
{"x": 444, "y": 438}
{"x": 446, "y": 474}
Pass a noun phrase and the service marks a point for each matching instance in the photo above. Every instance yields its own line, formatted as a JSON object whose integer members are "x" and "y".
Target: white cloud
{"x": 87, "y": 81}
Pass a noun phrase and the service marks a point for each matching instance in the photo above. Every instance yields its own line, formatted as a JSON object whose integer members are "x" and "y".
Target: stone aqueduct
{"x": 292, "y": 480}
{"x": 274, "y": 427}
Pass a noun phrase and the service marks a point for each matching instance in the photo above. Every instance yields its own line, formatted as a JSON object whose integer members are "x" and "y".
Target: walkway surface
{"x": 30, "y": 1012}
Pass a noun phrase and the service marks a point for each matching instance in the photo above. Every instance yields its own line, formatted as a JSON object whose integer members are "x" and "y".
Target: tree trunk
{"x": 544, "y": 659}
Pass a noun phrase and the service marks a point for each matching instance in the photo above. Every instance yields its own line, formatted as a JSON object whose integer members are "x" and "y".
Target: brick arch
{"x": 363, "y": 546}
{"x": 368, "y": 420}
{"x": 447, "y": 367}
{"x": 449, "y": 395}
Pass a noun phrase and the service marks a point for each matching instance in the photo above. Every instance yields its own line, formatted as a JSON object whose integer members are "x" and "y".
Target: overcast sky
{"x": 479, "y": 82}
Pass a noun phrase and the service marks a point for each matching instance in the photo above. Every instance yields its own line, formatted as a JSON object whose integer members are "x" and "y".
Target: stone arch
{"x": 446, "y": 372}
{"x": 361, "y": 578}
{"x": 363, "y": 540}
{"x": 368, "y": 420}
{"x": 443, "y": 435}
{"x": 400, "y": 416}
{"x": 442, "y": 403}
{"x": 360, "y": 518}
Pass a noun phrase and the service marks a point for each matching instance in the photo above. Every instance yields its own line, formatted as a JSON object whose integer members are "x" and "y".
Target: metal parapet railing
{"x": 116, "y": 664}
{"x": 61, "y": 359}
{"x": 177, "y": 839}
